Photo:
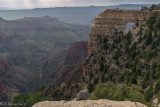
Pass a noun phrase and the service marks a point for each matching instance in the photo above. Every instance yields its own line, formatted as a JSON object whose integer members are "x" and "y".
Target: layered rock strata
{"x": 112, "y": 22}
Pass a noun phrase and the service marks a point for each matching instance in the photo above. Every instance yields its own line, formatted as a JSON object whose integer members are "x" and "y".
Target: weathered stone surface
{"x": 89, "y": 103}
{"x": 82, "y": 95}
{"x": 112, "y": 22}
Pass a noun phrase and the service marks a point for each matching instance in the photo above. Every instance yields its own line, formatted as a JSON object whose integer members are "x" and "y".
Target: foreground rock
{"x": 89, "y": 103}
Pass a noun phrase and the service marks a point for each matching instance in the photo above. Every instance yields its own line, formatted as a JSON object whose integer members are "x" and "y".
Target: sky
{"x": 26, "y": 4}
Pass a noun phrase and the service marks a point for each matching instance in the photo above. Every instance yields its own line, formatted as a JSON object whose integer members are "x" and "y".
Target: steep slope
{"x": 71, "y": 70}
{"x": 125, "y": 57}
{"x": 32, "y": 51}
{"x": 123, "y": 61}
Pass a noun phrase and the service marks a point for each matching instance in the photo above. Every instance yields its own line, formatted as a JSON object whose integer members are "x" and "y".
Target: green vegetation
{"x": 158, "y": 96}
{"x": 101, "y": 67}
{"x": 90, "y": 87}
{"x": 119, "y": 92}
{"x": 157, "y": 87}
{"x": 133, "y": 60}
{"x": 29, "y": 100}
{"x": 149, "y": 37}
{"x": 149, "y": 94}
{"x": 127, "y": 68}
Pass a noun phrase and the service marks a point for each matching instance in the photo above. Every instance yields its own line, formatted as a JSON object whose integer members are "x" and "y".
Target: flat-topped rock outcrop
{"x": 89, "y": 103}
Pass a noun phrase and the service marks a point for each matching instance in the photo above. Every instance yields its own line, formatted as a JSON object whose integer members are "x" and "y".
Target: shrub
{"x": 102, "y": 77}
{"x": 30, "y": 99}
{"x": 108, "y": 91}
{"x": 133, "y": 78}
{"x": 153, "y": 46}
{"x": 118, "y": 92}
{"x": 120, "y": 78}
{"x": 127, "y": 64}
{"x": 95, "y": 80}
{"x": 158, "y": 24}
{"x": 105, "y": 40}
{"x": 157, "y": 87}
{"x": 146, "y": 79}
{"x": 137, "y": 23}
{"x": 151, "y": 21}
{"x": 94, "y": 61}
{"x": 116, "y": 54}
{"x": 101, "y": 67}
{"x": 140, "y": 39}
{"x": 90, "y": 87}
{"x": 117, "y": 62}
{"x": 149, "y": 37}
{"x": 149, "y": 93}
{"x": 20, "y": 99}
{"x": 158, "y": 97}
{"x": 90, "y": 75}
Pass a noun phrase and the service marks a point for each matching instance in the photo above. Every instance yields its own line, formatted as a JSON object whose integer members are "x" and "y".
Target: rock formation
{"x": 118, "y": 57}
{"x": 112, "y": 22}
{"x": 89, "y": 103}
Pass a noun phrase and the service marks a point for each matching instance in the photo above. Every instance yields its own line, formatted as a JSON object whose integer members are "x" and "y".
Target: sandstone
{"x": 89, "y": 103}
{"x": 112, "y": 22}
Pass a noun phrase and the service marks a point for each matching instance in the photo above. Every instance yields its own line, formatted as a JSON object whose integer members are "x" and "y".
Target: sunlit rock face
{"x": 89, "y": 103}
{"x": 112, "y": 22}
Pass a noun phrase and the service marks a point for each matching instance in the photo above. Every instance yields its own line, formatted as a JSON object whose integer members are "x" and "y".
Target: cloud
{"x": 18, "y": 4}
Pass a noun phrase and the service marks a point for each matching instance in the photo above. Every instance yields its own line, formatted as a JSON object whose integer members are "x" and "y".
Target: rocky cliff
{"x": 121, "y": 56}
{"x": 111, "y": 23}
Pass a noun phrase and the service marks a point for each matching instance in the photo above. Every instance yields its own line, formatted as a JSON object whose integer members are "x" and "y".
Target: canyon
{"x": 118, "y": 57}
{"x": 33, "y": 50}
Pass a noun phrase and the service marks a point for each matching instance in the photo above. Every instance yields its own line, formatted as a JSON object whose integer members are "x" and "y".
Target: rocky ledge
{"x": 89, "y": 103}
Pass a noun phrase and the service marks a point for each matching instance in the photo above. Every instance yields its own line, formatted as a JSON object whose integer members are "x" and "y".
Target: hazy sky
{"x": 20, "y": 4}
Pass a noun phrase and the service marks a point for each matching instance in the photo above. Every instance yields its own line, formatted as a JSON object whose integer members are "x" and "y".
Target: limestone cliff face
{"x": 112, "y": 22}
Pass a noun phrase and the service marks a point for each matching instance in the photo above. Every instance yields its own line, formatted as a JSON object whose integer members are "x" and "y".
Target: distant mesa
{"x": 43, "y": 18}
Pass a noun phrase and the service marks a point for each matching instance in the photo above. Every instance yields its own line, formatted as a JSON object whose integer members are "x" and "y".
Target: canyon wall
{"x": 112, "y": 22}
{"x": 71, "y": 71}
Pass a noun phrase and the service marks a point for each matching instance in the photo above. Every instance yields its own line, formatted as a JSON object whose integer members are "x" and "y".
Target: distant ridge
{"x": 74, "y": 15}
{"x": 93, "y": 6}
